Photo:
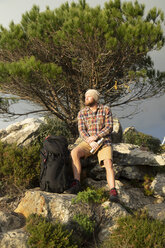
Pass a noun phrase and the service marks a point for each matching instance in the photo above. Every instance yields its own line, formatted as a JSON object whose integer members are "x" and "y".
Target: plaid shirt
{"x": 99, "y": 123}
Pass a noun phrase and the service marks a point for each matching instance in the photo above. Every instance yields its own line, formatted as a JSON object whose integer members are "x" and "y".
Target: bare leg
{"x": 110, "y": 175}
{"x": 76, "y": 154}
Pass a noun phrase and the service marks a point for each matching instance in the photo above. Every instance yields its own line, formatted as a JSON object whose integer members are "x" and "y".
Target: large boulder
{"x": 127, "y": 154}
{"x": 21, "y": 133}
{"x": 50, "y": 205}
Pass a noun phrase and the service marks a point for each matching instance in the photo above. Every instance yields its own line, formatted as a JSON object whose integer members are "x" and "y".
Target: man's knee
{"x": 77, "y": 152}
{"x": 108, "y": 163}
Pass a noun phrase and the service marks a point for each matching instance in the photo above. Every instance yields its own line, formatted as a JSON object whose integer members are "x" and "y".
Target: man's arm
{"x": 108, "y": 124}
{"x": 82, "y": 127}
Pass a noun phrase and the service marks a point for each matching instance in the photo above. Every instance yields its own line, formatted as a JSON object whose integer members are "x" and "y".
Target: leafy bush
{"x": 20, "y": 165}
{"x": 46, "y": 234}
{"x": 53, "y": 126}
{"x": 90, "y": 195}
{"x": 138, "y": 231}
{"x": 85, "y": 223}
{"x": 162, "y": 149}
{"x": 142, "y": 140}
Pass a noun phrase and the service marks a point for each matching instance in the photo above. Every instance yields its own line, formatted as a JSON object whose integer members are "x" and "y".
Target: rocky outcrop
{"x": 131, "y": 165}
{"x": 127, "y": 154}
{"x": 60, "y": 207}
{"x": 21, "y": 133}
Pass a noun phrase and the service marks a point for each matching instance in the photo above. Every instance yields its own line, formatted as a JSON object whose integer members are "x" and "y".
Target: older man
{"x": 94, "y": 122}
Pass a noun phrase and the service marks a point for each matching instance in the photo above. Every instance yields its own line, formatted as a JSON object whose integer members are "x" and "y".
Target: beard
{"x": 90, "y": 103}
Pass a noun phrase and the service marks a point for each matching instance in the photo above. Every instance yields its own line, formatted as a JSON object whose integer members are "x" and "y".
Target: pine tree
{"x": 52, "y": 57}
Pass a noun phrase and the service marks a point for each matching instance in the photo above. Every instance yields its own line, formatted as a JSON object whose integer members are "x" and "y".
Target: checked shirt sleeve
{"x": 107, "y": 130}
{"x": 81, "y": 126}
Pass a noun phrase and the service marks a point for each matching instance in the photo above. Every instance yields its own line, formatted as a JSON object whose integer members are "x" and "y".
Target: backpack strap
{"x": 45, "y": 159}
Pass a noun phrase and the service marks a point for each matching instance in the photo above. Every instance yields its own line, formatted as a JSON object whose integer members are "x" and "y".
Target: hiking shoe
{"x": 113, "y": 195}
{"x": 74, "y": 188}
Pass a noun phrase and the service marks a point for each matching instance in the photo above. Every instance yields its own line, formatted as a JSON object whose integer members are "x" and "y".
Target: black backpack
{"x": 56, "y": 171}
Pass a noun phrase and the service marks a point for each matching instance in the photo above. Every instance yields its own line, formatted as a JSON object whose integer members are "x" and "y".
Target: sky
{"x": 151, "y": 116}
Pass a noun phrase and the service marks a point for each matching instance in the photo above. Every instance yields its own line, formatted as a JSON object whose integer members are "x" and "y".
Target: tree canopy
{"x": 51, "y": 58}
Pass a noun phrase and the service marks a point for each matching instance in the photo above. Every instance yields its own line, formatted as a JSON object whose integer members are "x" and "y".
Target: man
{"x": 94, "y": 122}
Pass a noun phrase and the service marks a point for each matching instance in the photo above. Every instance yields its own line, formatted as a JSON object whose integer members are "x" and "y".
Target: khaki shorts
{"x": 102, "y": 154}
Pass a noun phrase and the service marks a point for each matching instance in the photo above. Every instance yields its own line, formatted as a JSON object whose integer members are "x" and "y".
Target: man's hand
{"x": 94, "y": 145}
{"x": 91, "y": 139}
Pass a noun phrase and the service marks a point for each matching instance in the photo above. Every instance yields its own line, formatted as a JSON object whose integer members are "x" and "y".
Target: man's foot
{"x": 113, "y": 195}
{"x": 74, "y": 188}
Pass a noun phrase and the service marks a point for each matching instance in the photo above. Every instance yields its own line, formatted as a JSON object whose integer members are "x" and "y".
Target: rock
{"x": 127, "y": 154}
{"x": 89, "y": 182}
{"x": 14, "y": 239}
{"x": 130, "y": 163}
{"x": 21, "y": 133}
{"x": 112, "y": 211}
{"x": 156, "y": 211}
{"x": 10, "y": 221}
{"x": 60, "y": 207}
{"x": 135, "y": 172}
{"x": 158, "y": 184}
{"x": 117, "y": 131}
{"x": 50, "y": 205}
{"x": 134, "y": 198}
{"x": 129, "y": 129}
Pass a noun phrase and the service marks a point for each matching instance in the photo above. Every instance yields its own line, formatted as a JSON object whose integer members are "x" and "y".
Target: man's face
{"x": 89, "y": 101}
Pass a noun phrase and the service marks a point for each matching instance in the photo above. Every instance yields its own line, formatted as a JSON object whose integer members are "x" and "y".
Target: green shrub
{"x": 20, "y": 165}
{"x": 142, "y": 140}
{"x": 162, "y": 148}
{"x": 91, "y": 196}
{"x": 46, "y": 234}
{"x": 137, "y": 231}
{"x": 53, "y": 126}
{"x": 85, "y": 223}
